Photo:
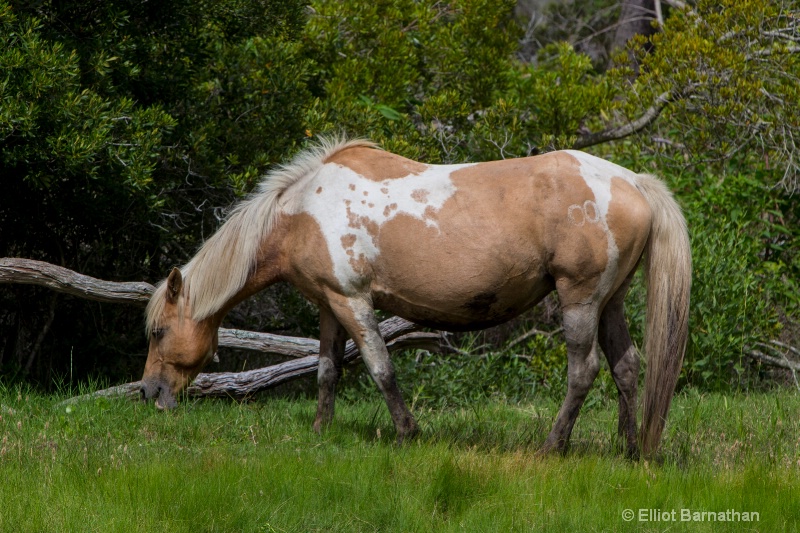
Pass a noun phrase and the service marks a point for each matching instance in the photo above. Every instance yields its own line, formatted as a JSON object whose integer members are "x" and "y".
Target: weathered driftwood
{"x": 399, "y": 335}
{"x": 783, "y": 361}
{"x": 774, "y": 361}
{"x": 241, "y": 384}
{"x": 268, "y": 343}
{"x": 60, "y": 279}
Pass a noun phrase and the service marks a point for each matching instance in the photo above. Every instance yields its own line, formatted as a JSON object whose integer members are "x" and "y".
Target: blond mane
{"x": 226, "y": 260}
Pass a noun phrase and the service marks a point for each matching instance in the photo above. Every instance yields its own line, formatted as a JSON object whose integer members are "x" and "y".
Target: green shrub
{"x": 744, "y": 276}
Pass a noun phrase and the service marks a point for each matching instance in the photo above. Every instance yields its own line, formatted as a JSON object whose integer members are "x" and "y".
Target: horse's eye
{"x": 158, "y": 333}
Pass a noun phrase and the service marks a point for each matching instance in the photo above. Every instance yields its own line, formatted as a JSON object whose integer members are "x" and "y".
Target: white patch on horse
{"x": 585, "y": 213}
{"x": 598, "y": 173}
{"x": 351, "y": 210}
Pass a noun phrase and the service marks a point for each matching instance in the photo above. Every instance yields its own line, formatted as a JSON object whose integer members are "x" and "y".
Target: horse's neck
{"x": 268, "y": 270}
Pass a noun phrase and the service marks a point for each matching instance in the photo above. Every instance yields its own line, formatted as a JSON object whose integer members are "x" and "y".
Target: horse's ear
{"x": 174, "y": 285}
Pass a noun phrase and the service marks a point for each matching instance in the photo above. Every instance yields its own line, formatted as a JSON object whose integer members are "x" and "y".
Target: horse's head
{"x": 179, "y": 345}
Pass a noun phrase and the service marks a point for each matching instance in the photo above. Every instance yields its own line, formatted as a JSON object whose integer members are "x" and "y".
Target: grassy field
{"x": 222, "y": 466}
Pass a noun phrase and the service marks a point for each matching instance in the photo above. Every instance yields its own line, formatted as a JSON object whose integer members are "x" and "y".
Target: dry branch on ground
{"x": 60, "y": 279}
{"x": 398, "y": 333}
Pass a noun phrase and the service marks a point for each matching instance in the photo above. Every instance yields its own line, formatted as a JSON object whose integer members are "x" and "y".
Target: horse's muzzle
{"x": 159, "y": 390}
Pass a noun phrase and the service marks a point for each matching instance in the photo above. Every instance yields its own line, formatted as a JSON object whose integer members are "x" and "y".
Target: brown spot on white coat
{"x": 420, "y": 195}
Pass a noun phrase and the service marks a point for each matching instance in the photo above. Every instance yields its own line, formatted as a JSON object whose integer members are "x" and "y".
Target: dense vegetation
{"x": 127, "y": 129}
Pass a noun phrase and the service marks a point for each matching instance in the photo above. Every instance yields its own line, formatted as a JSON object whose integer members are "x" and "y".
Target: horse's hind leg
{"x": 332, "y": 338}
{"x": 580, "y": 330}
{"x": 623, "y": 360}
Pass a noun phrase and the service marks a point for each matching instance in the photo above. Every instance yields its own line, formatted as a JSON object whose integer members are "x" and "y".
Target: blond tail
{"x": 668, "y": 271}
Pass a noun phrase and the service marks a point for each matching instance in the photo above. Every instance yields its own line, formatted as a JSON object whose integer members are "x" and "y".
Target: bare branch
{"x": 60, "y": 279}
{"x": 786, "y": 346}
{"x": 620, "y": 132}
{"x": 659, "y": 14}
{"x": 783, "y": 363}
{"x": 268, "y": 343}
{"x": 677, "y": 4}
{"x": 530, "y": 333}
{"x": 398, "y": 333}
{"x": 769, "y": 52}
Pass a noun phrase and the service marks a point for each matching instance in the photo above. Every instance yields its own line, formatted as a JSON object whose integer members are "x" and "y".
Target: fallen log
{"x": 774, "y": 361}
{"x": 399, "y": 334}
{"x": 60, "y": 279}
{"x": 268, "y": 343}
{"x": 248, "y": 383}
{"x": 783, "y": 361}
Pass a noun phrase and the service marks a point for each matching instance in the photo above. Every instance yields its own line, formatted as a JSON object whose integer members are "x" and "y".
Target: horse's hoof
{"x": 551, "y": 448}
{"x": 320, "y": 425}
{"x": 408, "y": 435}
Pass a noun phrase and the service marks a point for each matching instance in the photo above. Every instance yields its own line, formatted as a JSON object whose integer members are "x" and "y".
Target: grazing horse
{"x": 454, "y": 247}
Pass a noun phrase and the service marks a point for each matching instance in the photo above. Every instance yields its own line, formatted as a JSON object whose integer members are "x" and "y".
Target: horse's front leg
{"x": 332, "y": 338}
{"x": 358, "y": 317}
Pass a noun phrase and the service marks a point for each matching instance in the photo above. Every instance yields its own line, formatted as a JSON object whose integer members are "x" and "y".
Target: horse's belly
{"x": 453, "y": 308}
{"x": 467, "y": 272}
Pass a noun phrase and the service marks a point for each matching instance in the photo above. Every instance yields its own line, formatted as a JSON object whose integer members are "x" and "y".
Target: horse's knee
{"x": 381, "y": 370}
{"x": 583, "y": 367}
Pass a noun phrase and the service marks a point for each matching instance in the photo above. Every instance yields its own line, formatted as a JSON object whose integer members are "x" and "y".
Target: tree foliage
{"x": 127, "y": 128}
{"x": 729, "y": 72}
{"x": 409, "y": 74}
{"x": 119, "y": 120}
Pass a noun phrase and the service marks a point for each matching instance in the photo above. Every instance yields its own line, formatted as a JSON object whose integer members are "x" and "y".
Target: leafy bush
{"x": 745, "y": 275}
{"x": 125, "y": 128}
{"x": 409, "y": 74}
{"x": 128, "y": 128}
{"x": 745, "y": 267}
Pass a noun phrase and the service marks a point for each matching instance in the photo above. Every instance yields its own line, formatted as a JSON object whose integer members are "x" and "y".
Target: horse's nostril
{"x": 147, "y": 391}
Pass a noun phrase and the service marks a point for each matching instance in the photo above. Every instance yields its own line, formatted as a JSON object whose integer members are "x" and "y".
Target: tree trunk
{"x": 636, "y": 18}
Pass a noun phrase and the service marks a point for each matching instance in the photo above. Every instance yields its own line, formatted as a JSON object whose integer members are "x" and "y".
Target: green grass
{"x": 222, "y": 466}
